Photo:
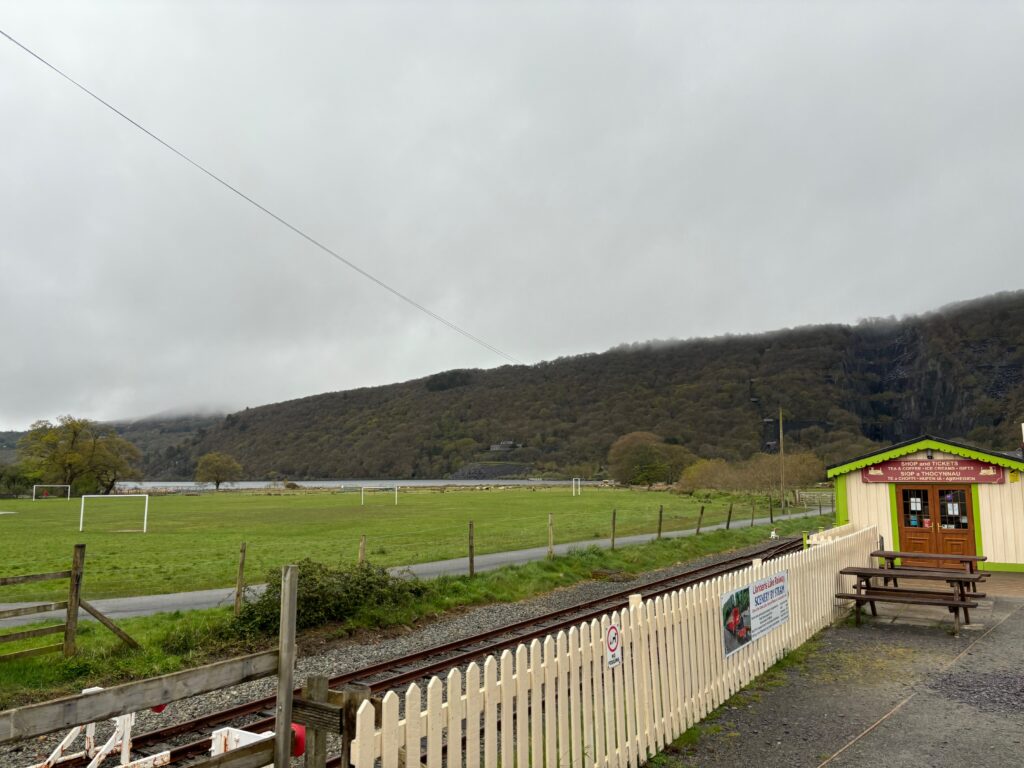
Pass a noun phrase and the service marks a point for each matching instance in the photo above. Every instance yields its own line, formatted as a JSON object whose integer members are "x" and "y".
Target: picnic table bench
{"x": 956, "y": 598}
{"x": 969, "y": 562}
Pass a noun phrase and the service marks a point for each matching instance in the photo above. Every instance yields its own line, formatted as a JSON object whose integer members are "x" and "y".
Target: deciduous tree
{"x": 88, "y": 456}
{"x": 218, "y": 468}
{"x": 643, "y": 458}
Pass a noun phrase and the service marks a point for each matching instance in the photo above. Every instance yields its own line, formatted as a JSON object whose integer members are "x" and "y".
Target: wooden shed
{"x": 930, "y": 494}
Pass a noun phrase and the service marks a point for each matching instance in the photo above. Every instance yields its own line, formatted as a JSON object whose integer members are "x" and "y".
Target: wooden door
{"x": 936, "y": 518}
{"x": 954, "y": 522}
{"x": 917, "y": 529}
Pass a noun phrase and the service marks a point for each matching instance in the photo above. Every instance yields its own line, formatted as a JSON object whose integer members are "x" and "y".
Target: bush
{"x": 328, "y": 594}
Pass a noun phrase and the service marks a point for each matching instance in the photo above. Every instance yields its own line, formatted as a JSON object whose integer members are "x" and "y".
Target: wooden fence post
{"x": 728, "y": 520}
{"x": 771, "y": 512}
{"x": 74, "y": 595}
{"x": 613, "y": 528}
{"x": 753, "y": 506}
{"x": 472, "y": 551}
{"x": 819, "y": 505}
{"x": 316, "y": 738}
{"x": 362, "y": 549}
{"x": 349, "y": 698}
{"x": 240, "y": 581}
{"x": 551, "y": 536}
{"x": 286, "y": 668}
{"x": 661, "y": 517}
{"x": 700, "y": 520}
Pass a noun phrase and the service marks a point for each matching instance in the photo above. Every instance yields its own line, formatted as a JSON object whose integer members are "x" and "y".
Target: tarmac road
{"x": 146, "y": 605}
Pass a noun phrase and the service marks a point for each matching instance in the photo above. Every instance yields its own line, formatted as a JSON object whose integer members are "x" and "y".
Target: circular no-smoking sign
{"x": 613, "y": 638}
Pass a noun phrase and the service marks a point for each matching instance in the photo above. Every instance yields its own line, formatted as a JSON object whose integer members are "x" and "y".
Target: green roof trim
{"x": 924, "y": 443}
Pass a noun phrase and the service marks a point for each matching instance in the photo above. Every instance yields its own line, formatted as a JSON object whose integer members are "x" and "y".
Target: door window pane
{"x": 953, "y": 508}
{"x": 915, "y": 508}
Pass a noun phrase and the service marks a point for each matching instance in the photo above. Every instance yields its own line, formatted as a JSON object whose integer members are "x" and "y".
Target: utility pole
{"x": 782, "y": 467}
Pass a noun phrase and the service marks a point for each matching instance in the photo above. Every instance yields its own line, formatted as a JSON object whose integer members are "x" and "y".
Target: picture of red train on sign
{"x": 736, "y": 620}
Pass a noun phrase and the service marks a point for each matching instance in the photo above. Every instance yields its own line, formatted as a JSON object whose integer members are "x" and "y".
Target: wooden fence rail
{"x": 39, "y": 719}
{"x": 559, "y": 704}
{"x": 99, "y": 704}
{"x": 70, "y": 626}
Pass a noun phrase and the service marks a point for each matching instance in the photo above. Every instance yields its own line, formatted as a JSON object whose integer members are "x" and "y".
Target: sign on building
{"x": 932, "y": 471}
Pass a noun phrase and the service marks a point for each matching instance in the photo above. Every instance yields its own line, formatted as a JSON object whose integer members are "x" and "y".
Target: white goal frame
{"x": 577, "y": 486}
{"x": 49, "y": 485}
{"x": 145, "y": 512}
{"x": 364, "y": 488}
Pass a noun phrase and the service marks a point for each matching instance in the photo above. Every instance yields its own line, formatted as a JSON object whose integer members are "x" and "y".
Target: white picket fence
{"x": 836, "y": 532}
{"x": 557, "y": 704}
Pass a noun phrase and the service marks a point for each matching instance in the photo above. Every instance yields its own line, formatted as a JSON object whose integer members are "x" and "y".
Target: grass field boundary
{"x": 193, "y": 542}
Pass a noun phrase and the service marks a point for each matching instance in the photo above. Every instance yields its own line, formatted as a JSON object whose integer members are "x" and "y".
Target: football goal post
{"x": 46, "y": 495}
{"x": 364, "y": 488}
{"x": 145, "y": 510}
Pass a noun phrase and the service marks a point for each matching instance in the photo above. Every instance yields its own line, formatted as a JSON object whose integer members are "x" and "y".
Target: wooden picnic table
{"x": 970, "y": 562}
{"x": 956, "y": 599}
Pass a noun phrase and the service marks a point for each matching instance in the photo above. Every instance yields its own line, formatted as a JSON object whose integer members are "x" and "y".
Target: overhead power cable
{"x": 309, "y": 238}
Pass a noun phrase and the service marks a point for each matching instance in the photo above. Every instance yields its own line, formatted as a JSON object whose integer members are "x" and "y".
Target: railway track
{"x": 393, "y": 673}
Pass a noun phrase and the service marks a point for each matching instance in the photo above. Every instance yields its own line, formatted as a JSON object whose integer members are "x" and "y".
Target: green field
{"x": 193, "y": 541}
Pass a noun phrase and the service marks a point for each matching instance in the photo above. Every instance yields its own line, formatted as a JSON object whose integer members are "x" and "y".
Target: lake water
{"x": 346, "y": 484}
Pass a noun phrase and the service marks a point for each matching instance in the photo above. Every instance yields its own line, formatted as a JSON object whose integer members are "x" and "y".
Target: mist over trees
{"x": 957, "y": 373}
{"x": 844, "y": 390}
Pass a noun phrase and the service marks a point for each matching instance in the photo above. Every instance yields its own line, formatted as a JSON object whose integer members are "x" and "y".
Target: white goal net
{"x": 43, "y": 491}
{"x": 145, "y": 509}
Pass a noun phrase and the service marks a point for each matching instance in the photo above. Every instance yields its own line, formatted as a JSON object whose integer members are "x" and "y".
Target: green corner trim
{"x": 976, "y": 509}
{"x": 1013, "y": 567}
{"x": 894, "y": 510}
{"x": 842, "y": 515}
{"x": 921, "y": 445}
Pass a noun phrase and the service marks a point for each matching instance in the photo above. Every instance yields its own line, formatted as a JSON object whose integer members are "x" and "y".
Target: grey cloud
{"x": 555, "y": 177}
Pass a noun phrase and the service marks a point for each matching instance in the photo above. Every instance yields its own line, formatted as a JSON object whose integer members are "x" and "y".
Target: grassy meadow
{"x": 173, "y": 641}
{"x": 193, "y": 541}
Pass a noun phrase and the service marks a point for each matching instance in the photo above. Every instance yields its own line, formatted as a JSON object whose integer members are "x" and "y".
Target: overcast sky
{"x": 555, "y": 178}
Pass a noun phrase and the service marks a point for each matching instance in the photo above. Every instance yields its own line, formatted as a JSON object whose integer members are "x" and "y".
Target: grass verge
{"x": 174, "y": 641}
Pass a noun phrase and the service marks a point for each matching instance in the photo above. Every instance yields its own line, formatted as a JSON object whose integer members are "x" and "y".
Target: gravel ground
{"x": 960, "y": 701}
{"x": 356, "y": 653}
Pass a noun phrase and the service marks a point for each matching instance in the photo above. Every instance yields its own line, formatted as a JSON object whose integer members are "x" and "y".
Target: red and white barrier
{"x": 120, "y": 740}
{"x": 226, "y": 739}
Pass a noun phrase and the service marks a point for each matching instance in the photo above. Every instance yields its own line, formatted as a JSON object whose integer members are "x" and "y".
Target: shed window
{"x": 915, "y": 508}
{"x": 952, "y": 508}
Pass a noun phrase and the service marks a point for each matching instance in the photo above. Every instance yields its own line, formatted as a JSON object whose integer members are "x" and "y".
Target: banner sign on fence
{"x": 613, "y": 643}
{"x": 754, "y": 610}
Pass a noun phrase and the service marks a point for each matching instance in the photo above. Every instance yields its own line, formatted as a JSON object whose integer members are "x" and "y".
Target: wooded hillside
{"x": 958, "y": 372}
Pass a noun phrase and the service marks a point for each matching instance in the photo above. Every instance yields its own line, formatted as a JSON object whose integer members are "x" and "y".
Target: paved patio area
{"x": 898, "y": 691}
